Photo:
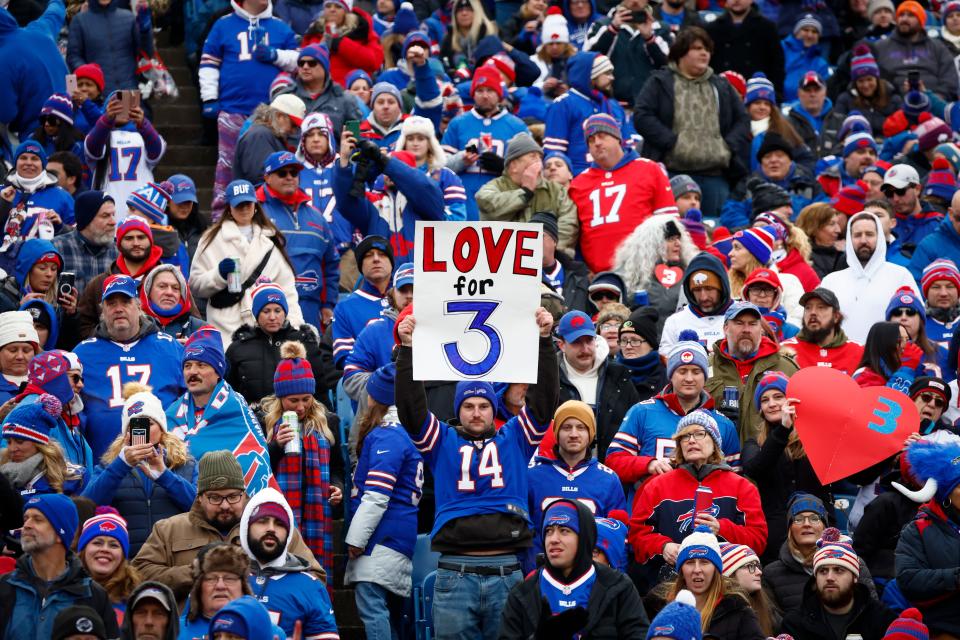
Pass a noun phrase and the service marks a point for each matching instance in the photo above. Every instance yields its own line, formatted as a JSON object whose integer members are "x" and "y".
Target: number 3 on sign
{"x": 481, "y": 310}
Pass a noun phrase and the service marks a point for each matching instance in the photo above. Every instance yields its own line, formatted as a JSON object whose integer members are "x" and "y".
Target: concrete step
{"x": 190, "y": 155}
{"x": 180, "y": 112}
{"x": 181, "y": 133}
{"x": 181, "y": 74}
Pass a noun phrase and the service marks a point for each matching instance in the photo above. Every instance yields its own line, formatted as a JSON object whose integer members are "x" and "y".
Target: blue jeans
{"x": 468, "y": 606}
{"x": 716, "y": 190}
{"x": 379, "y": 610}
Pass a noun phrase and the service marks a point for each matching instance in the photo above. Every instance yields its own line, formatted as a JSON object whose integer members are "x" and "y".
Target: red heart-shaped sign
{"x": 668, "y": 276}
{"x": 845, "y": 428}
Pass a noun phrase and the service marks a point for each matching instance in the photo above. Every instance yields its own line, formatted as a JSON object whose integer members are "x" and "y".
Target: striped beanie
{"x": 59, "y": 105}
{"x": 858, "y": 140}
{"x": 735, "y": 556}
{"x": 909, "y": 626}
{"x": 283, "y": 82}
{"x": 759, "y": 87}
{"x": 152, "y": 200}
{"x": 949, "y": 7}
{"x": 941, "y": 181}
{"x": 106, "y": 522}
{"x": 265, "y": 293}
{"x": 863, "y": 64}
{"x": 905, "y": 298}
{"x": 601, "y": 123}
{"x": 854, "y": 122}
{"x": 850, "y": 199}
{"x": 318, "y": 52}
{"x": 931, "y": 132}
{"x": 294, "y": 375}
{"x": 759, "y": 241}
{"x": 834, "y": 549}
{"x": 702, "y": 543}
{"x": 942, "y": 269}
{"x": 601, "y": 65}
{"x": 703, "y": 419}
{"x": 33, "y": 421}
{"x": 687, "y": 350}
{"x": 133, "y": 223}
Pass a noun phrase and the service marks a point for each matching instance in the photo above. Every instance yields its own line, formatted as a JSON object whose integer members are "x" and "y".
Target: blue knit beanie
{"x": 702, "y": 419}
{"x": 688, "y": 350}
{"x": 759, "y": 87}
{"x": 380, "y": 384}
{"x": 803, "y": 502}
{"x": 612, "y": 541}
{"x": 31, "y": 146}
{"x": 33, "y": 421}
{"x": 561, "y": 513}
{"x": 107, "y": 522}
{"x": 769, "y": 380}
{"x": 205, "y": 345}
{"x": 905, "y": 298}
{"x": 267, "y": 293}
{"x": 60, "y": 511}
{"x": 48, "y": 370}
{"x": 702, "y": 543}
{"x": 679, "y": 620}
{"x": 470, "y": 389}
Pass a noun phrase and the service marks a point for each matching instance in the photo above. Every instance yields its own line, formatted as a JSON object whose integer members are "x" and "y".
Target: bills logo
{"x": 256, "y": 467}
{"x": 560, "y": 520}
{"x": 308, "y": 281}
{"x": 686, "y": 357}
{"x": 107, "y": 526}
{"x": 136, "y": 408}
{"x": 193, "y": 351}
{"x": 686, "y": 520}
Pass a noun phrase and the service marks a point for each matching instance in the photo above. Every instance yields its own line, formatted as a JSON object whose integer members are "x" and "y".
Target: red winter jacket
{"x": 663, "y": 510}
{"x": 794, "y": 264}
{"x": 843, "y": 355}
{"x": 359, "y": 49}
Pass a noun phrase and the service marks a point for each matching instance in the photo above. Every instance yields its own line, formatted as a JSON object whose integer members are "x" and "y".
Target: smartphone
{"x": 133, "y": 98}
{"x": 913, "y": 79}
{"x": 121, "y": 97}
{"x": 353, "y": 126}
{"x": 66, "y": 283}
{"x": 71, "y": 80}
{"x": 139, "y": 428}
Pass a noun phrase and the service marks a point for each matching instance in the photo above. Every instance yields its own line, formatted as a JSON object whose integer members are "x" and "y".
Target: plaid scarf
{"x": 305, "y": 481}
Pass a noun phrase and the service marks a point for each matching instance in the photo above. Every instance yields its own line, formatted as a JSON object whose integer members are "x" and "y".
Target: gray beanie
{"x": 520, "y": 144}
{"x": 875, "y": 5}
{"x": 219, "y": 470}
{"x": 681, "y": 184}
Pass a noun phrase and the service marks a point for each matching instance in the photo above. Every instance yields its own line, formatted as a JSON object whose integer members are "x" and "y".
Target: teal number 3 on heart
{"x": 887, "y": 417}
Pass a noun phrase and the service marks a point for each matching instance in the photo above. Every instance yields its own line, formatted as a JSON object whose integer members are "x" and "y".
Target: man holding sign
{"x": 481, "y": 485}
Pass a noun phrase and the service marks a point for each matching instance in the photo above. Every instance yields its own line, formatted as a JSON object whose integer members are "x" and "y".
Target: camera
{"x": 367, "y": 157}
{"x": 65, "y": 283}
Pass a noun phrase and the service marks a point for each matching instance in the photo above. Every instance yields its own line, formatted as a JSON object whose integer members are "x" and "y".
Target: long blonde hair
{"x": 719, "y": 587}
{"x": 176, "y": 449}
{"x": 54, "y": 465}
{"x": 737, "y": 277}
{"x": 480, "y": 21}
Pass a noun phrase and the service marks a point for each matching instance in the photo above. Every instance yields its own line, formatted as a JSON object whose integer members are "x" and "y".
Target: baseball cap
{"x": 821, "y": 294}
{"x": 240, "y": 191}
{"x": 811, "y": 78}
{"x": 290, "y": 105}
{"x": 150, "y": 593}
{"x": 900, "y": 176}
{"x": 184, "y": 189}
{"x": 403, "y": 275}
{"x": 738, "y": 308}
{"x": 121, "y": 284}
{"x": 575, "y": 325}
{"x": 278, "y": 160}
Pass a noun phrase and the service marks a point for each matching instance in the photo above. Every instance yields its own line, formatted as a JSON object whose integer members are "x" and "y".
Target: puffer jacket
{"x": 140, "y": 500}
{"x": 254, "y": 354}
{"x": 29, "y": 605}
{"x": 869, "y": 619}
{"x": 110, "y": 37}
{"x": 733, "y": 619}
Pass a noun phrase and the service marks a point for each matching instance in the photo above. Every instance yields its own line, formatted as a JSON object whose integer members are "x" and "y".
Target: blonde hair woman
{"x": 144, "y": 465}
{"x": 33, "y": 462}
{"x": 418, "y": 137}
{"x": 468, "y": 25}
{"x": 752, "y": 249}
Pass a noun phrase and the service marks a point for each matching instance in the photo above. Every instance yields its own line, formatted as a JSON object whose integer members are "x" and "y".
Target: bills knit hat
{"x": 700, "y": 544}
{"x": 601, "y": 123}
{"x": 909, "y": 626}
{"x": 692, "y": 220}
{"x": 206, "y": 345}
{"x": 485, "y": 76}
{"x": 60, "y": 511}
{"x": 851, "y": 199}
{"x": 373, "y": 242}
{"x": 858, "y": 140}
{"x": 941, "y": 181}
{"x": 48, "y": 371}
{"x": 575, "y": 409}
{"x": 759, "y": 241}
{"x": 151, "y": 200}
{"x": 562, "y": 513}
{"x": 142, "y": 404}
{"x": 700, "y": 418}
{"x": 359, "y": 74}
{"x": 554, "y": 28}
{"x": 854, "y": 122}
{"x": 294, "y": 374}
{"x": 679, "y": 620}
{"x": 835, "y": 549}
{"x": 33, "y": 421}
{"x": 267, "y": 293}
{"x": 735, "y": 556}
{"x": 805, "y": 503}
{"x": 317, "y": 52}
{"x": 770, "y": 380}
{"x": 905, "y": 298}
{"x": 687, "y": 350}
{"x": 759, "y": 87}
{"x": 682, "y": 184}
{"x": 108, "y": 522}
{"x": 381, "y": 384}
{"x": 219, "y": 470}
{"x": 59, "y": 105}
{"x": 504, "y": 64}
{"x": 931, "y": 132}
{"x": 473, "y": 389}
{"x": 134, "y": 223}
{"x": 941, "y": 269}
{"x": 863, "y": 64}
{"x": 612, "y": 538}
{"x": 31, "y": 146}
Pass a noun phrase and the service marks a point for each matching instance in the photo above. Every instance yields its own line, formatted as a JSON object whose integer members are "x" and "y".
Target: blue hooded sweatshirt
{"x": 46, "y": 307}
{"x": 31, "y": 251}
{"x": 578, "y": 30}
{"x": 247, "y": 619}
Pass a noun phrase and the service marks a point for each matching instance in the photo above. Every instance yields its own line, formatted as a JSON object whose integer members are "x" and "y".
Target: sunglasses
{"x": 53, "y": 121}
{"x": 891, "y": 191}
{"x": 934, "y": 399}
{"x": 896, "y": 313}
{"x": 308, "y": 62}
{"x": 287, "y": 173}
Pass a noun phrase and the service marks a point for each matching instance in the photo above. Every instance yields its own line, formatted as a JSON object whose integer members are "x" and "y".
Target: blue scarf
{"x": 642, "y": 368}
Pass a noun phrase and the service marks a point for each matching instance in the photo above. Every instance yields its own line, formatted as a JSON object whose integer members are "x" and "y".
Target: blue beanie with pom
{"x": 688, "y": 350}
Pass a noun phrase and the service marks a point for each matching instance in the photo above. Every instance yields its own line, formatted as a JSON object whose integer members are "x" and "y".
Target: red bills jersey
{"x": 610, "y": 205}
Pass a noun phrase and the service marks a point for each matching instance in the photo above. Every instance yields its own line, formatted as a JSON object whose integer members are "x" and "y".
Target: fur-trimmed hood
{"x": 643, "y": 249}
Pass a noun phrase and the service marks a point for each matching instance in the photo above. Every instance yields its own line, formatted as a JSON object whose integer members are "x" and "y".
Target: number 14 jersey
{"x": 611, "y": 204}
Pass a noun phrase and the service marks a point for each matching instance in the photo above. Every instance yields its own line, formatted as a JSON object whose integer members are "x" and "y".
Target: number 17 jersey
{"x": 611, "y": 204}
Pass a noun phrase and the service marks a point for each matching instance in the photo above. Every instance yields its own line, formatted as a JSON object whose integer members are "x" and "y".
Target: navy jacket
{"x": 110, "y": 37}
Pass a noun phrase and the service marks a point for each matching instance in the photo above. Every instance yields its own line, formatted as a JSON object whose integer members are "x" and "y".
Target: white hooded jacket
{"x": 864, "y": 291}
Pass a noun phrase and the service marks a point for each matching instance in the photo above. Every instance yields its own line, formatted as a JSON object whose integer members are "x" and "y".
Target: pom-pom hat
{"x": 33, "y": 421}
{"x": 834, "y": 549}
{"x": 294, "y": 374}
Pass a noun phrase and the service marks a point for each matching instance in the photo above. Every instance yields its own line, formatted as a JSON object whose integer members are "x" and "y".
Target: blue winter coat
{"x": 141, "y": 500}
{"x": 942, "y": 242}
{"x": 798, "y": 60}
{"x": 31, "y": 67}
{"x": 111, "y": 37}
{"x": 913, "y": 230}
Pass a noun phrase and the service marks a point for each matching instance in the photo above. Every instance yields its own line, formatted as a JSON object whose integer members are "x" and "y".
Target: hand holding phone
{"x": 71, "y": 82}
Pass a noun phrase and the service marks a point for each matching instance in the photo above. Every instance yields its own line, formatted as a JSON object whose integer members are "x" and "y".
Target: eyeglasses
{"x": 228, "y": 579}
{"x": 308, "y": 62}
{"x": 811, "y": 518}
{"x": 287, "y": 173}
{"x": 753, "y": 567}
{"x": 903, "y": 311}
{"x": 636, "y": 342}
{"x": 693, "y": 435}
{"x": 891, "y": 191}
{"x": 934, "y": 399}
{"x": 607, "y": 326}
{"x": 217, "y": 499}
{"x": 766, "y": 292}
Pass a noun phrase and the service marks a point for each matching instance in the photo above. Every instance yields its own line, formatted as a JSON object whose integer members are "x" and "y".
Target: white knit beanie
{"x": 17, "y": 326}
{"x": 424, "y": 127}
{"x": 555, "y": 28}
{"x": 143, "y": 405}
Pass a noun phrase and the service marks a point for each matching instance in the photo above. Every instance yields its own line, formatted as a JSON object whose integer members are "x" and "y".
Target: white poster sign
{"x": 476, "y": 292}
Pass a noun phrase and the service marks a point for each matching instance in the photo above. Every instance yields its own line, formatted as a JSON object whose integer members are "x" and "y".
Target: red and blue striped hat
{"x": 33, "y": 421}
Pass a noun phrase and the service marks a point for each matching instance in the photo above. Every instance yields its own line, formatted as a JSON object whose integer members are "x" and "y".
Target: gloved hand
{"x": 226, "y": 267}
{"x": 144, "y": 19}
{"x": 265, "y": 53}
{"x": 911, "y": 355}
{"x": 211, "y": 109}
{"x": 561, "y": 625}
{"x": 370, "y": 151}
{"x": 491, "y": 162}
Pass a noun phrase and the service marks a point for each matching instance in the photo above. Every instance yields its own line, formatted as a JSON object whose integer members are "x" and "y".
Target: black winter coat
{"x": 653, "y": 119}
{"x": 748, "y": 48}
{"x": 733, "y": 619}
{"x": 614, "y": 609}
{"x": 786, "y": 579}
{"x": 253, "y": 357}
{"x": 777, "y": 478}
{"x": 576, "y": 280}
{"x": 878, "y": 531}
{"x": 826, "y": 260}
{"x": 870, "y": 619}
{"x": 615, "y": 395}
{"x": 928, "y": 568}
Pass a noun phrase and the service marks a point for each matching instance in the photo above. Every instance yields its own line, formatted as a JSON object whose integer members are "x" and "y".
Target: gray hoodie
{"x": 173, "y": 626}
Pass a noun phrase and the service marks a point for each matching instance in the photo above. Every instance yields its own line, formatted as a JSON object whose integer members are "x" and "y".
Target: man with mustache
{"x": 281, "y": 580}
{"x": 822, "y": 342}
